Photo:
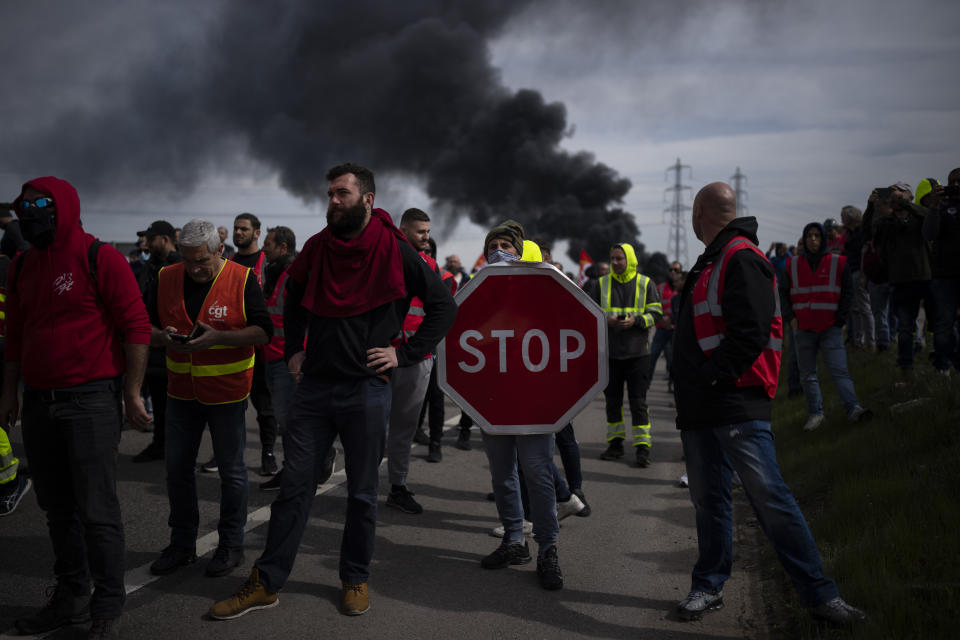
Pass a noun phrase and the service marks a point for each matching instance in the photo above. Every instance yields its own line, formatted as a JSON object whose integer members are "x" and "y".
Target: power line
{"x": 678, "y": 229}
{"x": 741, "y": 193}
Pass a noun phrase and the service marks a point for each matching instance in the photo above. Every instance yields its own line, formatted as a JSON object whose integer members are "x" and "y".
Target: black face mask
{"x": 39, "y": 227}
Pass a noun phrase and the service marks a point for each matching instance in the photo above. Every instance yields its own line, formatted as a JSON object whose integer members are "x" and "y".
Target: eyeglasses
{"x": 43, "y": 202}
{"x": 674, "y": 270}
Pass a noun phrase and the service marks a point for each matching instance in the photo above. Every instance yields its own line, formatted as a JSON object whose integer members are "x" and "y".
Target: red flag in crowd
{"x": 585, "y": 261}
{"x": 481, "y": 261}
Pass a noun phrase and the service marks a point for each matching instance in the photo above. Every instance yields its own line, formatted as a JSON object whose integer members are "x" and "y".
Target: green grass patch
{"x": 883, "y": 501}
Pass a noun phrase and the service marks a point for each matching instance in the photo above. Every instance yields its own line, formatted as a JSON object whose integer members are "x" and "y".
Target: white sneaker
{"x": 684, "y": 482}
{"x": 859, "y": 414}
{"x": 571, "y": 507}
{"x": 814, "y": 422}
{"x": 497, "y": 532}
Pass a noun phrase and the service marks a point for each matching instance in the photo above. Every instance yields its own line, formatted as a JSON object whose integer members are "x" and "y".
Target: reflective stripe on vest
{"x": 710, "y": 328}
{"x": 640, "y": 308}
{"x": 415, "y": 314}
{"x": 666, "y": 292}
{"x": 223, "y": 373}
{"x": 273, "y": 351}
{"x": 815, "y": 295}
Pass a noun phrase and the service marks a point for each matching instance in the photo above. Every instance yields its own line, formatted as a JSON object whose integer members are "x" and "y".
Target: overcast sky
{"x": 816, "y": 102}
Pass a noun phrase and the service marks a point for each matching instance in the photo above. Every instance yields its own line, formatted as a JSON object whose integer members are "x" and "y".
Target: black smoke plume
{"x": 406, "y": 88}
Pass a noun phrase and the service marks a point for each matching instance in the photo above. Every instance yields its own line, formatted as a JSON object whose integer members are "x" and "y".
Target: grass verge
{"x": 883, "y": 501}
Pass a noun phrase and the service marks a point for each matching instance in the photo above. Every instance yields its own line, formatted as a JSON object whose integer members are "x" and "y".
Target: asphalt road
{"x": 625, "y": 566}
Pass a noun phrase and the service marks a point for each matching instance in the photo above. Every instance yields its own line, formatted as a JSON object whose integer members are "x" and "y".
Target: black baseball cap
{"x": 159, "y": 228}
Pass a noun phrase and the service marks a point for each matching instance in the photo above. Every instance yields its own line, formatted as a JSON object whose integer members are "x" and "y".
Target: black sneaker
{"x": 268, "y": 464}
{"x": 643, "y": 456}
{"x": 548, "y": 570}
{"x": 697, "y": 603}
{"x": 402, "y": 498}
{"x": 583, "y": 513}
{"x": 210, "y": 466}
{"x": 434, "y": 455}
{"x": 104, "y": 628}
{"x": 614, "y": 450}
{"x": 328, "y": 467}
{"x": 420, "y": 437}
{"x": 63, "y": 608}
{"x": 11, "y": 498}
{"x": 273, "y": 484}
{"x": 152, "y": 453}
{"x": 463, "y": 440}
{"x": 171, "y": 559}
{"x": 224, "y": 560}
{"x": 506, "y": 554}
{"x": 837, "y": 612}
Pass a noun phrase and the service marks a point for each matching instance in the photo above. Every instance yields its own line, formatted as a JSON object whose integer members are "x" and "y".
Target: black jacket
{"x": 147, "y": 281}
{"x": 705, "y": 389}
{"x": 337, "y": 347}
{"x": 899, "y": 236}
{"x": 941, "y": 228}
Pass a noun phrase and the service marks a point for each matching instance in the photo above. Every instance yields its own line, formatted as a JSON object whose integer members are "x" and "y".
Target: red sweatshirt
{"x": 56, "y": 329}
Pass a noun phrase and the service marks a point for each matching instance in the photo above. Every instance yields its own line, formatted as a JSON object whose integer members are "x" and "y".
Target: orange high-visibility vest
{"x": 710, "y": 328}
{"x": 815, "y": 295}
{"x": 222, "y": 373}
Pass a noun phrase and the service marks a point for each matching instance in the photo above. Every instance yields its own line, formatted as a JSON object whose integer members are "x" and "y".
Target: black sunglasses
{"x": 43, "y": 202}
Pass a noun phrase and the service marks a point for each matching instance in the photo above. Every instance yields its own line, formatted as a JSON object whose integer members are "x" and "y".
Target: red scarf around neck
{"x": 349, "y": 277}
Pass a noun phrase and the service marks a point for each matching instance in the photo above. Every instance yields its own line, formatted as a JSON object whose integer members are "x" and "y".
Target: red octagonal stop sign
{"x": 527, "y": 352}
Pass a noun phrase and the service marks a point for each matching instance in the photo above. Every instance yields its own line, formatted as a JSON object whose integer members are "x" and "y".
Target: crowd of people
{"x": 336, "y": 340}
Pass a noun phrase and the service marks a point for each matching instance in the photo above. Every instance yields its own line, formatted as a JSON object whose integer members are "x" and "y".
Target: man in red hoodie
{"x": 75, "y": 326}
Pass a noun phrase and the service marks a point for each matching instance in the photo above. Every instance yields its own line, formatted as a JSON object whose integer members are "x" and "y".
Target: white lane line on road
{"x": 140, "y": 577}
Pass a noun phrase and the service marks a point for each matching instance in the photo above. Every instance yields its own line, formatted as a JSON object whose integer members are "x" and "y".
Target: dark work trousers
{"x": 70, "y": 438}
{"x": 356, "y": 409}
{"x": 633, "y": 372}
{"x": 157, "y": 387}
{"x": 569, "y": 451}
{"x": 793, "y": 363}
{"x": 947, "y": 293}
{"x": 433, "y": 402}
{"x": 260, "y": 399}
{"x": 905, "y": 299}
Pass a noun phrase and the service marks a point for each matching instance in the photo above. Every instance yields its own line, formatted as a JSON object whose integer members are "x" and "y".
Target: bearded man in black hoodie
{"x": 726, "y": 361}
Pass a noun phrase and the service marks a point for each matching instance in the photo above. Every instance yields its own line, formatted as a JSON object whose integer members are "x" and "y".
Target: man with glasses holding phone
{"x": 75, "y": 326}
{"x": 208, "y": 313}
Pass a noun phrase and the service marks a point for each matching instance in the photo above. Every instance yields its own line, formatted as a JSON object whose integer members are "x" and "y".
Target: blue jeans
{"x": 357, "y": 410}
{"x": 830, "y": 344}
{"x": 228, "y": 431}
{"x": 880, "y": 307}
{"x": 281, "y": 385}
{"x": 712, "y": 455}
{"x": 947, "y": 292}
{"x": 535, "y": 455}
{"x": 662, "y": 343}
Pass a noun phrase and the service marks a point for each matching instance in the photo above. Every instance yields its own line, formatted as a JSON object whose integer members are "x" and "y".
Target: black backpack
{"x": 92, "y": 251}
